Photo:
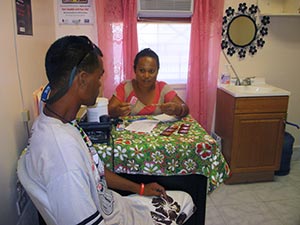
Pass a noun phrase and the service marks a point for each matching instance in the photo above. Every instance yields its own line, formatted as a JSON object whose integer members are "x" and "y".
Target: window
{"x": 171, "y": 41}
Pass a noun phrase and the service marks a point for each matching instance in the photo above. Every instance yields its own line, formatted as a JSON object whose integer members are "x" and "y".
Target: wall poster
{"x": 24, "y": 17}
{"x": 75, "y": 11}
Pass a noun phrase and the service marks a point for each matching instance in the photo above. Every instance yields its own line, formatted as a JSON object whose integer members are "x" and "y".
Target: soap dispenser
{"x": 225, "y": 76}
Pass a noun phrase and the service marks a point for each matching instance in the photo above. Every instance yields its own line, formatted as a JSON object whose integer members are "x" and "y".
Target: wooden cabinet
{"x": 252, "y": 131}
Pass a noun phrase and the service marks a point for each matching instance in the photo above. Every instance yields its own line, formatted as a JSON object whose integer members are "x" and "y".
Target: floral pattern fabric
{"x": 167, "y": 211}
{"x": 195, "y": 152}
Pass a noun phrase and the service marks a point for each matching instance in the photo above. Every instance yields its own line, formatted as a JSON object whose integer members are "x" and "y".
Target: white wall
{"x": 277, "y": 61}
{"x": 22, "y": 71}
{"x": 11, "y": 126}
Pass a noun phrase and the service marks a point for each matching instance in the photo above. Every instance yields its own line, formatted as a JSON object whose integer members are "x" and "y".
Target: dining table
{"x": 177, "y": 153}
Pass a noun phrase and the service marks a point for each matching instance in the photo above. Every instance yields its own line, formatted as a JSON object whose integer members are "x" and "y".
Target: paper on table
{"x": 145, "y": 126}
{"x": 165, "y": 118}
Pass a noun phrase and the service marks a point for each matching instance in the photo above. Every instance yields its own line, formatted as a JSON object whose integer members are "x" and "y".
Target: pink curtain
{"x": 206, "y": 29}
{"x": 117, "y": 37}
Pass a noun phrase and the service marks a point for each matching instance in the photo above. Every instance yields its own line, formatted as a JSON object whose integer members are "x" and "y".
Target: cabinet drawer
{"x": 261, "y": 104}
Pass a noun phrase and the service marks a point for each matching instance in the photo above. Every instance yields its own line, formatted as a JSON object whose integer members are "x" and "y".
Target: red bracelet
{"x": 142, "y": 189}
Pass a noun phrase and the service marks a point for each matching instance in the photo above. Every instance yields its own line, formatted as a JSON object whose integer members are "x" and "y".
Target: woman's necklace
{"x": 56, "y": 114}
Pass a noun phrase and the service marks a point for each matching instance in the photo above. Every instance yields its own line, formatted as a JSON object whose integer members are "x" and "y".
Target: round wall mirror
{"x": 245, "y": 24}
{"x": 241, "y": 32}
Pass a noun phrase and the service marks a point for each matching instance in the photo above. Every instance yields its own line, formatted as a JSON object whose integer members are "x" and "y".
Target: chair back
{"x": 35, "y": 191}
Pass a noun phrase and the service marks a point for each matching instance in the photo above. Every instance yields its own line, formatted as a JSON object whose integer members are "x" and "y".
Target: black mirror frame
{"x": 258, "y": 40}
{"x": 230, "y": 24}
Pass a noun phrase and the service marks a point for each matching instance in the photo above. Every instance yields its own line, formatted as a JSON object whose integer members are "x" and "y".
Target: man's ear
{"x": 82, "y": 79}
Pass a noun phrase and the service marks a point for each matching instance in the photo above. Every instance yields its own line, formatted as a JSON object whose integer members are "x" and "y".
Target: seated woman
{"x": 144, "y": 95}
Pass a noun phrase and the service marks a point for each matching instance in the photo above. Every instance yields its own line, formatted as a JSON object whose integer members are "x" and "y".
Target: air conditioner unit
{"x": 165, "y": 8}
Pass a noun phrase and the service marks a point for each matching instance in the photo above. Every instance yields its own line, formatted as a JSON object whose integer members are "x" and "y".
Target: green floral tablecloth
{"x": 178, "y": 154}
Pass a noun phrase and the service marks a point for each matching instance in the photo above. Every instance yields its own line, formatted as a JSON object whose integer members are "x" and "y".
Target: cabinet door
{"x": 257, "y": 142}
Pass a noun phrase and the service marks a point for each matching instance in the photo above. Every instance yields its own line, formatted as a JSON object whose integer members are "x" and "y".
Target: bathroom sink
{"x": 253, "y": 90}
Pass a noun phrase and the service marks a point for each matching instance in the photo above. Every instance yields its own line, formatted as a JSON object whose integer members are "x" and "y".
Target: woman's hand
{"x": 171, "y": 108}
{"x": 117, "y": 108}
{"x": 154, "y": 189}
{"x": 124, "y": 109}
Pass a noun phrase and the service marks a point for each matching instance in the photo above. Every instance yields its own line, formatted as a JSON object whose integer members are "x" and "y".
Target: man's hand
{"x": 154, "y": 189}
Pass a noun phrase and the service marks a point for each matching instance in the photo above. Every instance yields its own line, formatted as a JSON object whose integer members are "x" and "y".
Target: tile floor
{"x": 265, "y": 203}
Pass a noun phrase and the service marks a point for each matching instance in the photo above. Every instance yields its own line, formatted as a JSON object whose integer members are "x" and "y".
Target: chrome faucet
{"x": 238, "y": 81}
{"x": 246, "y": 81}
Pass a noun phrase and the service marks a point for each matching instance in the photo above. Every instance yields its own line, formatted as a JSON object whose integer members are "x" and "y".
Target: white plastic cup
{"x": 97, "y": 110}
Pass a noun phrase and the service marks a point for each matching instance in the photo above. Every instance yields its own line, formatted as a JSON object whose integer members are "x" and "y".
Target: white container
{"x": 97, "y": 110}
{"x": 225, "y": 76}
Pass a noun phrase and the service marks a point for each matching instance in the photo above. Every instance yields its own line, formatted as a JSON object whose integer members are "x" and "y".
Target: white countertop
{"x": 257, "y": 90}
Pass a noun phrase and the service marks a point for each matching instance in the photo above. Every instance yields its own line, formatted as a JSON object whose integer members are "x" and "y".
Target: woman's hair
{"x": 146, "y": 52}
{"x": 69, "y": 55}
